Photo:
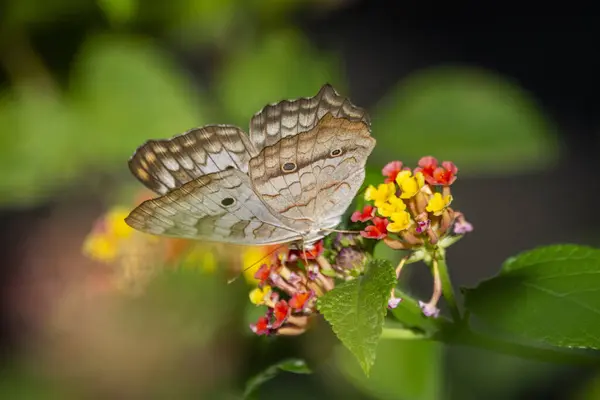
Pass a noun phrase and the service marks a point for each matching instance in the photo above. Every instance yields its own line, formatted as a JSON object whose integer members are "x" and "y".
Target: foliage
{"x": 545, "y": 295}
{"x": 280, "y": 65}
{"x": 549, "y": 295}
{"x": 124, "y": 89}
{"x": 356, "y": 310}
{"x": 475, "y": 118}
{"x": 296, "y": 366}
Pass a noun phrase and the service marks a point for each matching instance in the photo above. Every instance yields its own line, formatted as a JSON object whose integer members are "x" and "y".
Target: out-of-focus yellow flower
{"x": 400, "y": 221}
{"x": 100, "y": 247}
{"x": 380, "y": 194}
{"x": 393, "y": 205}
{"x": 136, "y": 256}
{"x": 209, "y": 261}
{"x": 103, "y": 242}
{"x": 437, "y": 204}
{"x": 251, "y": 262}
{"x": 258, "y": 295}
{"x": 115, "y": 223}
{"x": 201, "y": 256}
{"x": 409, "y": 184}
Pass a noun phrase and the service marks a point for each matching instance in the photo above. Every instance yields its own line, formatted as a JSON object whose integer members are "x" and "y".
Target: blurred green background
{"x": 83, "y": 83}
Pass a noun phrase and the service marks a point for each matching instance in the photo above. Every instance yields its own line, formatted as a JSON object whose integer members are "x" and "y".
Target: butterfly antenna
{"x": 254, "y": 264}
{"x": 304, "y": 252}
{"x": 341, "y": 231}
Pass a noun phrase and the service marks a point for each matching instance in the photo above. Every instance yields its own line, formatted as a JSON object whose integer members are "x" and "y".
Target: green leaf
{"x": 549, "y": 294}
{"x": 198, "y": 22}
{"x": 481, "y": 121}
{"x": 405, "y": 369}
{"x": 356, "y": 310}
{"x": 282, "y": 66}
{"x": 119, "y": 11}
{"x": 294, "y": 365}
{"x": 34, "y": 166}
{"x": 127, "y": 92}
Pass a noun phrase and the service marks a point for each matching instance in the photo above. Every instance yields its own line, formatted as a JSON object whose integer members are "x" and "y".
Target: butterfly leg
{"x": 304, "y": 255}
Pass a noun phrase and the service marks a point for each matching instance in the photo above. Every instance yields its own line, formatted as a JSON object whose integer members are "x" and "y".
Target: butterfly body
{"x": 289, "y": 181}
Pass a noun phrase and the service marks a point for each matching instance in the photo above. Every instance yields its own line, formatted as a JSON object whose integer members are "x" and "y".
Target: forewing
{"x": 163, "y": 165}
{"x": 290, "y": 117}
{"x": 217, "y": 207}
{"x": 328, "y": 169}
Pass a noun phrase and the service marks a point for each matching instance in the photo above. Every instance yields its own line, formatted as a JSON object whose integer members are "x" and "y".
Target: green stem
{"x": 464, "y": 337}
{"x": 447, "y": 289}
{"x": 469, "y": 338}
{"x": 401, "y": 333}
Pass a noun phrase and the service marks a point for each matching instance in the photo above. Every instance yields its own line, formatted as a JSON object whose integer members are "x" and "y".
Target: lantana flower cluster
{"x": 289, "y": 287}
{"x": 411, "y": 211}
{"x": 291, "y": 283}
{"x": 412, "y": 207}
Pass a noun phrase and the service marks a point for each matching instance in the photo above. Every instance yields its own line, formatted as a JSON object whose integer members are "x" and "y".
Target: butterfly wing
{"x": 163, "y": 165}
{"x": 311, "y": 178}
{"x": 207, "y": 194}
{"x": 221, "y": 206}
{"x": 290, "y": 117}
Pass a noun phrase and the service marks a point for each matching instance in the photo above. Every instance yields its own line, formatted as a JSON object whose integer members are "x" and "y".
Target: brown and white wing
{"x": 310, "y": 179}
{"x": 290, "y": 117}
{"x": 217, "y": 207}
{"x": 163, "y": 165}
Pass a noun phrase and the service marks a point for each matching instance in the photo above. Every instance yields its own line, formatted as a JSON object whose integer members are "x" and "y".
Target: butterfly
{"x": 288, "y": 182}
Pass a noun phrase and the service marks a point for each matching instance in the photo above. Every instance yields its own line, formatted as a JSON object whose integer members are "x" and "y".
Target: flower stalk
{"x": 447, "y": 289}
{"x": 394, "y": 301}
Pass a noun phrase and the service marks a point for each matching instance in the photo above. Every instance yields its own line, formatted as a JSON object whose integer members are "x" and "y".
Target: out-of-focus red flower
{"x": 367, "y": 213}
{"x": 376, "y": 231}
{"x": 175, "y": 248}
